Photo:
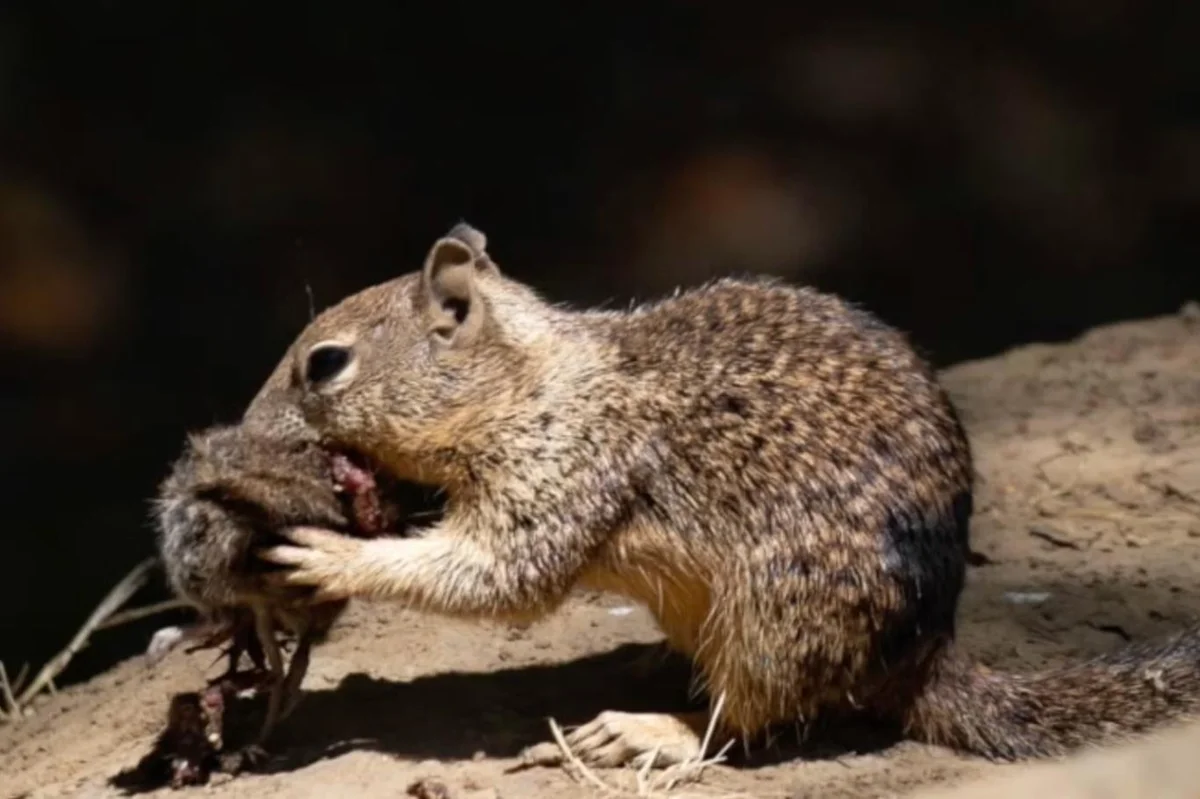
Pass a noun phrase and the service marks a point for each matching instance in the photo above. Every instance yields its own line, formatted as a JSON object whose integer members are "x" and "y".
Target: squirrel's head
{"x": 406, "y": 372}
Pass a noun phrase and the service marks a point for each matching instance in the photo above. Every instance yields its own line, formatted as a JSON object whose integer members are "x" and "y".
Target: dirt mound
{"x": 1088, "y": 528}
{"x": 1162, "y": 766}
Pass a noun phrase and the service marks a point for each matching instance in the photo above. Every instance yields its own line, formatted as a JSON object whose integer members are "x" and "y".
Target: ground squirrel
{"x": 774, "y": 473}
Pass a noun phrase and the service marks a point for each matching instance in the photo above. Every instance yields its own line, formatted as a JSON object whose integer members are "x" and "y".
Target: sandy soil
{"x": 1161, "y": 766}
{"x": 1088, "y": 525}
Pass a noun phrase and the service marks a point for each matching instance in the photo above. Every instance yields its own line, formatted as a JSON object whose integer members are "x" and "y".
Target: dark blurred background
{"x": 175, "y": 178}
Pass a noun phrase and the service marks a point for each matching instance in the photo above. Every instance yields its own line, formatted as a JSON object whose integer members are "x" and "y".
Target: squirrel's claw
{"x": 320, "y": 559}
{"x": 547, "y": 753}
{"x": 614, "y": 739}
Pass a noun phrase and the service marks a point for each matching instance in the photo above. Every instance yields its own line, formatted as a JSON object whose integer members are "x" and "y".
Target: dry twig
{"x": 19, "y": 681}
{"x": 135, "y": 614}
{"x": 6, "y": 693}
{"x": 115, "y": 598}
{"x": 580, "y": 768}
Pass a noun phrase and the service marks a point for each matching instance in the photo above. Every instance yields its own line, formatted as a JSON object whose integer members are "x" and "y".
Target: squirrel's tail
{"x": 1006, "y": 716}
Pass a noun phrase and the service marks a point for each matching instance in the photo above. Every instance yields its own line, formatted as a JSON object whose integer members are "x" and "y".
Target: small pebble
{"x": 428, "y": 788}
{"x": 1026, "y": 597}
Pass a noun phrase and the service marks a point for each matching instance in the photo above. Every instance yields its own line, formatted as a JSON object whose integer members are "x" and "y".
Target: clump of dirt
{"x": 1087, "y": 535}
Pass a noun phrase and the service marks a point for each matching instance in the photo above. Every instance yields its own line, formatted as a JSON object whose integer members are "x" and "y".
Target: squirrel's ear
{"x": 470, "y": 236}
{"x": 449, "y": 292}
{"x": 477, "y": 242}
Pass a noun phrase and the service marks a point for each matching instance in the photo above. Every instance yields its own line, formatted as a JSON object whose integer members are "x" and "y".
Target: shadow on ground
{"x": 460, "y": 716}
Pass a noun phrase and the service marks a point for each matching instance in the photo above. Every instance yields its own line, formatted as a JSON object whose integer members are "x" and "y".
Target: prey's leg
{"x": 297, "y": 668}
{"x": 265, "y": 629}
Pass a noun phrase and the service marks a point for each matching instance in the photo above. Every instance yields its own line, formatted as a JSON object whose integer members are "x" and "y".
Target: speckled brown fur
{"x": 775, "y": 473}
{"x": 225, "y": 494}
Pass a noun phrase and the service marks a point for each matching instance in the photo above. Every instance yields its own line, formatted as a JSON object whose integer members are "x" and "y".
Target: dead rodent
{"x": 227, "y": 494}
{"x": 192, "y": 745}
{"x": 774, "y": 473}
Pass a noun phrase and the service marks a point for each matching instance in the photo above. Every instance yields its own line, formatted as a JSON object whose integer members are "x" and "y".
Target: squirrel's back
{"x": 798, "y": 494}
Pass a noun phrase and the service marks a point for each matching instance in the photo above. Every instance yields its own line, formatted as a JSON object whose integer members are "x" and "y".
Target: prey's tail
{"x": 1015, "y": 716}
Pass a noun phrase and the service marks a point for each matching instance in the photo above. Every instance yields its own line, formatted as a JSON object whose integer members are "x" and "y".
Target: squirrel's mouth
{"x": 379, "y": 504}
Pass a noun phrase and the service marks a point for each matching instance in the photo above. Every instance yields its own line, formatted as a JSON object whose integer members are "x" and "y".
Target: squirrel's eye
{"x": 325, "y": 362}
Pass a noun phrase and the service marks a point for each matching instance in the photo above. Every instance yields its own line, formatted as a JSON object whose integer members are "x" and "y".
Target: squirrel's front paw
{"x": 320, "y": 559}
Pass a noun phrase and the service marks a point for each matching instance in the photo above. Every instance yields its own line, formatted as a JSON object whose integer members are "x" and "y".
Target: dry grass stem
{"x": 19, "y": 681}
{"x": 11, "y": 710}
{"x": 112, "y": 601}
{"x": 135, "y": 614}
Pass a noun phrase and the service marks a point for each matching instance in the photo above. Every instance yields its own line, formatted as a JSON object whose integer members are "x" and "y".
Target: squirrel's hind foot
{"x": 616, "y": 739}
